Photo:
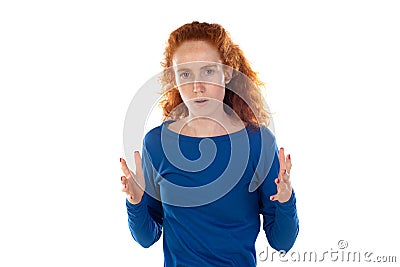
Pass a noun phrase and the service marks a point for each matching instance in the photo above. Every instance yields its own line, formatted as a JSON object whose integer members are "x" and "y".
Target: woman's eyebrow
{"x": 209, "y": 66}
{"x": 178, "y": 68}
{"x": 182, "y": 69}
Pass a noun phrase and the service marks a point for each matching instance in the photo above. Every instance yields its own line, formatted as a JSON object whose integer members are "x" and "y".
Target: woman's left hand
{"x": 283, "y": 185}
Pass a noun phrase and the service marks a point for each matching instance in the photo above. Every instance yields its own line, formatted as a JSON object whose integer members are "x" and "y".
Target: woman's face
{"x": 200, "y": 77}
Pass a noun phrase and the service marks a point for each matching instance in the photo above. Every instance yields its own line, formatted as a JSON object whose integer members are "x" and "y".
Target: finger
{"x": 125, "y": 168}
{"x": 124, "y": 188}
{"x": 286, "y": 175}
{"x": 123, "y": 163}
{"x": 279, "y": 185}
{"x": 273, "y": 197}
{"x": 124, "y": 180}
{"x": 282, "y": 162}
{"x": 288, "y": 163}
{"x": 138, "y": 163}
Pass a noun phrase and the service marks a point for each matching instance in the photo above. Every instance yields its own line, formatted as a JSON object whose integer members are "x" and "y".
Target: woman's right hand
{"x": 133, "y": 184}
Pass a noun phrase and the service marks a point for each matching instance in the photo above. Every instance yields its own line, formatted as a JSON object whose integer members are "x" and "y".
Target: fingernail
{"x": 289, "y": 156}
{"x": 131, "y": 197}
{"x": 124, "y": 185}
{"x": 272, "y": 198}
{"x": 120, "y": 159}
{"x": 277, "y": 181}
{"x": 121, "y": 177}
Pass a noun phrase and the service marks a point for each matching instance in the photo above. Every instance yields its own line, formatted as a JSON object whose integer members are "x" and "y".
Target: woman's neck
{"x": 211, "y": 126}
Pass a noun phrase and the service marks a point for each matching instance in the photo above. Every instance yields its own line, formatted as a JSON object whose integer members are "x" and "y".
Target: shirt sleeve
{"x": 145, "y": 219}
{"x": 280, "y": 221}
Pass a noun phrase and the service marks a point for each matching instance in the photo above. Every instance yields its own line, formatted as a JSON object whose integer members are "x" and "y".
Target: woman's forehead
{"x": 193, "y": 51}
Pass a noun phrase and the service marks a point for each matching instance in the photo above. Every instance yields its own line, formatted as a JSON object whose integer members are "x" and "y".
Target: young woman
{"x": 212, "y": 167}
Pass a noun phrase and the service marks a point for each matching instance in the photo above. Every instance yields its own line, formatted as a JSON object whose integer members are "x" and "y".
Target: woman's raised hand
{"x": 283, "y": 184}
{"x": 133, "y": 184}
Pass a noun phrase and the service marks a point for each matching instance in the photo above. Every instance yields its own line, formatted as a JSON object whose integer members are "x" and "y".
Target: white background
{"x": 69, "y": 69}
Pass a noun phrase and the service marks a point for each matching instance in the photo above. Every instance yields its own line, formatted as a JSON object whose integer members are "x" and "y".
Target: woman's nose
{"x": 198, "y": 87}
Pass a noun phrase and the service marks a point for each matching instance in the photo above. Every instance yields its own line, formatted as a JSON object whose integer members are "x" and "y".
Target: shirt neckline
{"x": 225, "y": 137}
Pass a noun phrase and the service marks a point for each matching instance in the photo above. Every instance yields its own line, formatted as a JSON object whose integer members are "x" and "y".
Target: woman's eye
{"x": 184, "y": 75}
{"x": 209, "y": 71}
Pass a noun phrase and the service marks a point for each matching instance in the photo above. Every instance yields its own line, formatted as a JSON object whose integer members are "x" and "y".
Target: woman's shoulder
{"x": 261, "y": 128}
{"x": 153, "y": 133}
{"x": 266, "y": 131}
{"x": 261, "y": 135}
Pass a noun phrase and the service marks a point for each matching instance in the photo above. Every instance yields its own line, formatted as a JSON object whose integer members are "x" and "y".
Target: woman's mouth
{"x": 200, "y": 100}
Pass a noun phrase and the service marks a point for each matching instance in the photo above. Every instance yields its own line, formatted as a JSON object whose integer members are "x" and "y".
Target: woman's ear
{"x": 228, "y": 71}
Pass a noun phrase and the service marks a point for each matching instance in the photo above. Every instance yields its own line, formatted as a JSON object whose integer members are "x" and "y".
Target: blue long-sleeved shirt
{"x": 206, "y": 195}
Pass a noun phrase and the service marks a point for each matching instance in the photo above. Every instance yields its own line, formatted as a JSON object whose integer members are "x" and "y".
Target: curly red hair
{"x": 249, "y": 106}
